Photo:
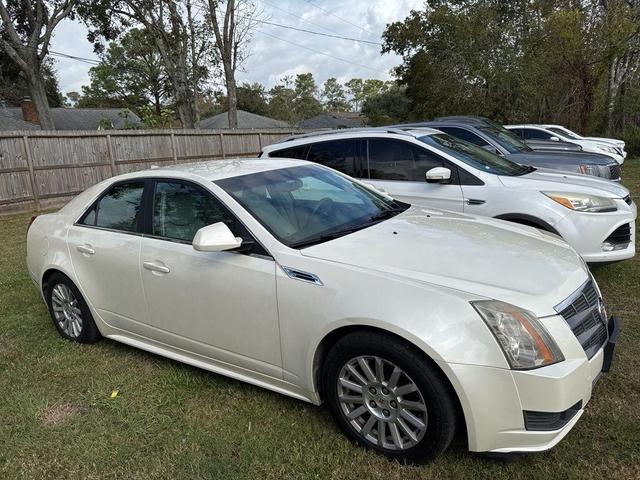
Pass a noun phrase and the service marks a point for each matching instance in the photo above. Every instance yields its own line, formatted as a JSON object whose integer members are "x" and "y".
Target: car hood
{"x": 550, "y": 145}
{"x": 543, "y": 179}
{"x": 560, "y": 158}
{"x": 484, "y": 257}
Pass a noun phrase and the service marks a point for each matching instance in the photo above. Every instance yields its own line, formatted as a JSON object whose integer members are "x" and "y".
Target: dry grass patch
{"x": 58, "y": 414}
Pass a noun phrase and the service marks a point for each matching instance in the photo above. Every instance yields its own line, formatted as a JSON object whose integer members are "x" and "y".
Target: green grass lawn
{"x": 57, "y": 419}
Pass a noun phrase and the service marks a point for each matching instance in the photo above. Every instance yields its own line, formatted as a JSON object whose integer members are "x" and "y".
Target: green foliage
{"x": 540, "y": 60}
{"x": 13, "y": 87}
{"x": 334, "y": 96}
{"x": 152, "y": 119}
{"x": 387, "y": 107}
{"x": 252, "y": 98}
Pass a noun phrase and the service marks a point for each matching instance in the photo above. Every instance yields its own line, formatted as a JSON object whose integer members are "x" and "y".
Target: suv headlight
{"x": 595, "y": 170}
{"x": 525, "y": 342}
{"x": 582, "y": 202}
{"x": 604, "y": 148}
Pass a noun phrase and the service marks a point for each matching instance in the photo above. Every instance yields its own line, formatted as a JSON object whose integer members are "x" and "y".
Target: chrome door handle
{"x": 475, "y": 201}
{"x": 155, "y": 267}
{"x": 85, "y": 249}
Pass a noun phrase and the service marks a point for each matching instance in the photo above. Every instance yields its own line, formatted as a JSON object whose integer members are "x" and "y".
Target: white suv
{"x": 427, "y": 167}
{"x": 559, "y": 133}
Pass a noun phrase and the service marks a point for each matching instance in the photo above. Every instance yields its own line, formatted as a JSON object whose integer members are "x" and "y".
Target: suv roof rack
{"x": 397, "y": 131}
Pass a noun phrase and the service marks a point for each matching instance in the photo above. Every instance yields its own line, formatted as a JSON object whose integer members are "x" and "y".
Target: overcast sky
{"x": 271, "y": 58}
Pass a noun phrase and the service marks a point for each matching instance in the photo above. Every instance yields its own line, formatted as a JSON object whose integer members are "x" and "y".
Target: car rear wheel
{"x": 69, "y": 311}
{"x": 387, "y": 396}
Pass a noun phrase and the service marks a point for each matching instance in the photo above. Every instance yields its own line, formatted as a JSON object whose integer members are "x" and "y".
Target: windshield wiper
{"x": 384, "y": 214}
{"x": 526, "y": 169}
{"x": 327, "y": 236}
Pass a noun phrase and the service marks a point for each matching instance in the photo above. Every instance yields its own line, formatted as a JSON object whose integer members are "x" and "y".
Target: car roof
{"x": 218, "y": 169}
{"x": 391, "y": 132}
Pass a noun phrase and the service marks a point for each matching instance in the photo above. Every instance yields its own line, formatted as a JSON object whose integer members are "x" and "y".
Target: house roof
{"x": 334, "y": 120}
{"x": 245, "y": 120}
{"x": 8, "y": 122}
{"x": 82, "y": 118}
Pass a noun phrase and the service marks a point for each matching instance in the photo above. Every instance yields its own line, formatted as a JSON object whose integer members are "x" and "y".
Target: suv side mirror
{"x": 215, "y": 238}
{"x": 438, "y": 175}
{"x": 555, "y": 139}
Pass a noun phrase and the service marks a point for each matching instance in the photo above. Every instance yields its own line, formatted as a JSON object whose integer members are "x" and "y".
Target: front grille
{"x": 621, "y": 235}
{"x": 584, "y": 312}
{"x": 614, "y": 171}
{"x": 548, "y": 421}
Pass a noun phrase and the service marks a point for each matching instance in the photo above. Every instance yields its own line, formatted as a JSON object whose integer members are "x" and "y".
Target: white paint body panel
{"x": 413, "y": 276}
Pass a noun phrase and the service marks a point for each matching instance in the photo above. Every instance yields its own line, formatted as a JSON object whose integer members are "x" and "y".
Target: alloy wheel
{"x": 382, "y": 403}
{"x": 66, "y": 310}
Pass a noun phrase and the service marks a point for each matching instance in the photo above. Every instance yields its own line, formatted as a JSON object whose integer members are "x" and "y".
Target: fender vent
{"x": 302, "y": 276}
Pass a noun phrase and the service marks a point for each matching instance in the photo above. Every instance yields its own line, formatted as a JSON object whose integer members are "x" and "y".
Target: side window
{"x": 519, "y": 132}
{"x": 341, "y": 155}
{"x": 396, "y": 160}
{"x": 535, "y": 134}
{"x": 465, "y": 135}
{"x": 292, "y": 152}
{"x": 119, "y": 209}
{"x": 180, "y": 210}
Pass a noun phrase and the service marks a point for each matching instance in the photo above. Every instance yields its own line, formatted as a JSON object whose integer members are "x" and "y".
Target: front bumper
{"x": 494, "y": 400}
{"x": 587, "y": 232}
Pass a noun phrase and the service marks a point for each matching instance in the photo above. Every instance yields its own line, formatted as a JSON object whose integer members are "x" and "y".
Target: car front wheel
{"x": 387, "y": 396}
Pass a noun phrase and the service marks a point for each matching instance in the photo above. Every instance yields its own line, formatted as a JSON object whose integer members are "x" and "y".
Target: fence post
{"x": 260, "y": 141}
{"x": 222, "y": 144}
{"x": 32, "y": 177}
{"x": 112, "y": 160}
{"x": 174, "y": 150}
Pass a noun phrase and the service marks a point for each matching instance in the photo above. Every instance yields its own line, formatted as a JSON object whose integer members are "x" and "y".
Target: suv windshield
{"x": 473, "y": 155}
{"x": 564, "y": 133}
{"x": 306, "y": 205}
{"x": 506, "y": 139}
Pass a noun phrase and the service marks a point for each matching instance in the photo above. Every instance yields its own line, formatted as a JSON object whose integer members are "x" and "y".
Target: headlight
{"x": 604, "y": 148}
{"x": 525, "y": 342}
{"x": 582, "y": 202}
{"x": 595, "y": 170}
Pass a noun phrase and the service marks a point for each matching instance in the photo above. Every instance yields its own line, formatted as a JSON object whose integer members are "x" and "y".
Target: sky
{"x": 276, "y": 52}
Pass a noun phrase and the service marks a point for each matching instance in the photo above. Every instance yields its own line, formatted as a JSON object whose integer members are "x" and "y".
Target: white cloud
{"x": 272, "y": 58}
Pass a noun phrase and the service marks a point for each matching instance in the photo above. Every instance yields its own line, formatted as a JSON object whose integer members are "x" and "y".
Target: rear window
{"x": 291, "y": 152}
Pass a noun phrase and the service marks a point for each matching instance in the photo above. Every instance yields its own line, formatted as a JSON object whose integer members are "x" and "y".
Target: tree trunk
{"x": 38, "y": 94}
{"x": 232, "y": 100}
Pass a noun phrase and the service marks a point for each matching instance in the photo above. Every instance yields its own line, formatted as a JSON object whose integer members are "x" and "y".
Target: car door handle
{"x": 156, "y": 267}
{"x": 85, "y": 249}
{"x": 475, "y": 201}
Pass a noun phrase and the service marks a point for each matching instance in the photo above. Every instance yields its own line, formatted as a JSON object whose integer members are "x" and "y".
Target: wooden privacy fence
{"x": 43, "y": 169}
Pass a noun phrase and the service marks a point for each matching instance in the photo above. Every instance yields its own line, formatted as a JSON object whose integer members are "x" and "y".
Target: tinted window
{"x": 518, "y": 131}
{"x": 394, "y": 160}
{"x": 180, "y": 210}
{"x": 292, "y": 152}
{"x": 119, "y": 209}
{"x": 341, "y": 155}
{"x": 510, "y": 142}
{"x": 535, "y": 134}
{"x": 465, "y": 135}
{"x": 563, "y": 132}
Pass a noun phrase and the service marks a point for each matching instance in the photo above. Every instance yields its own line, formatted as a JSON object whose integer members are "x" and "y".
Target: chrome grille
{"x": 584, "y": 312}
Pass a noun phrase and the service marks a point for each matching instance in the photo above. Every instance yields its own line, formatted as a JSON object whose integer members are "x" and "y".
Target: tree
{"x": 281, "y": 100}
{"x": 388, "y": 107}
{"x": 169, "y": 24}
{"x": 355, "y": 87}
{"x": 253, "y": 98}
{"x": 26, "y": 30}
{"x": 334, "y": 96}
{"x": 305, "y": 103}
{"x": 131, "y": 74}
{"x": 73, "y": 98}
{"x": 232, "y": 28}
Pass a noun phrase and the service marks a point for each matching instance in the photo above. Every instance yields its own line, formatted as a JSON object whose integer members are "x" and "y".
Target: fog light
{"x": 611, "y": 247}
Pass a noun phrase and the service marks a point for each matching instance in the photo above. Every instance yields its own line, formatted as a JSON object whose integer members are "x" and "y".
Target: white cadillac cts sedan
{"x": 408, "y": 322}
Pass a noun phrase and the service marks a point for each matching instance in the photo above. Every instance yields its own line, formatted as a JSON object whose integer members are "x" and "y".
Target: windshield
{"x": 506, "y": 139}
{"x": 306, "y": 205}
{"x": 473, "y": 155}
{"x": 564, "y": 132}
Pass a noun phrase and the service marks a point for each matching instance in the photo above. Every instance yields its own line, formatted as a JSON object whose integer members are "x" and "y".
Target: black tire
{"x": 89, "y": 332}
{"x": 434, "y": 388}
